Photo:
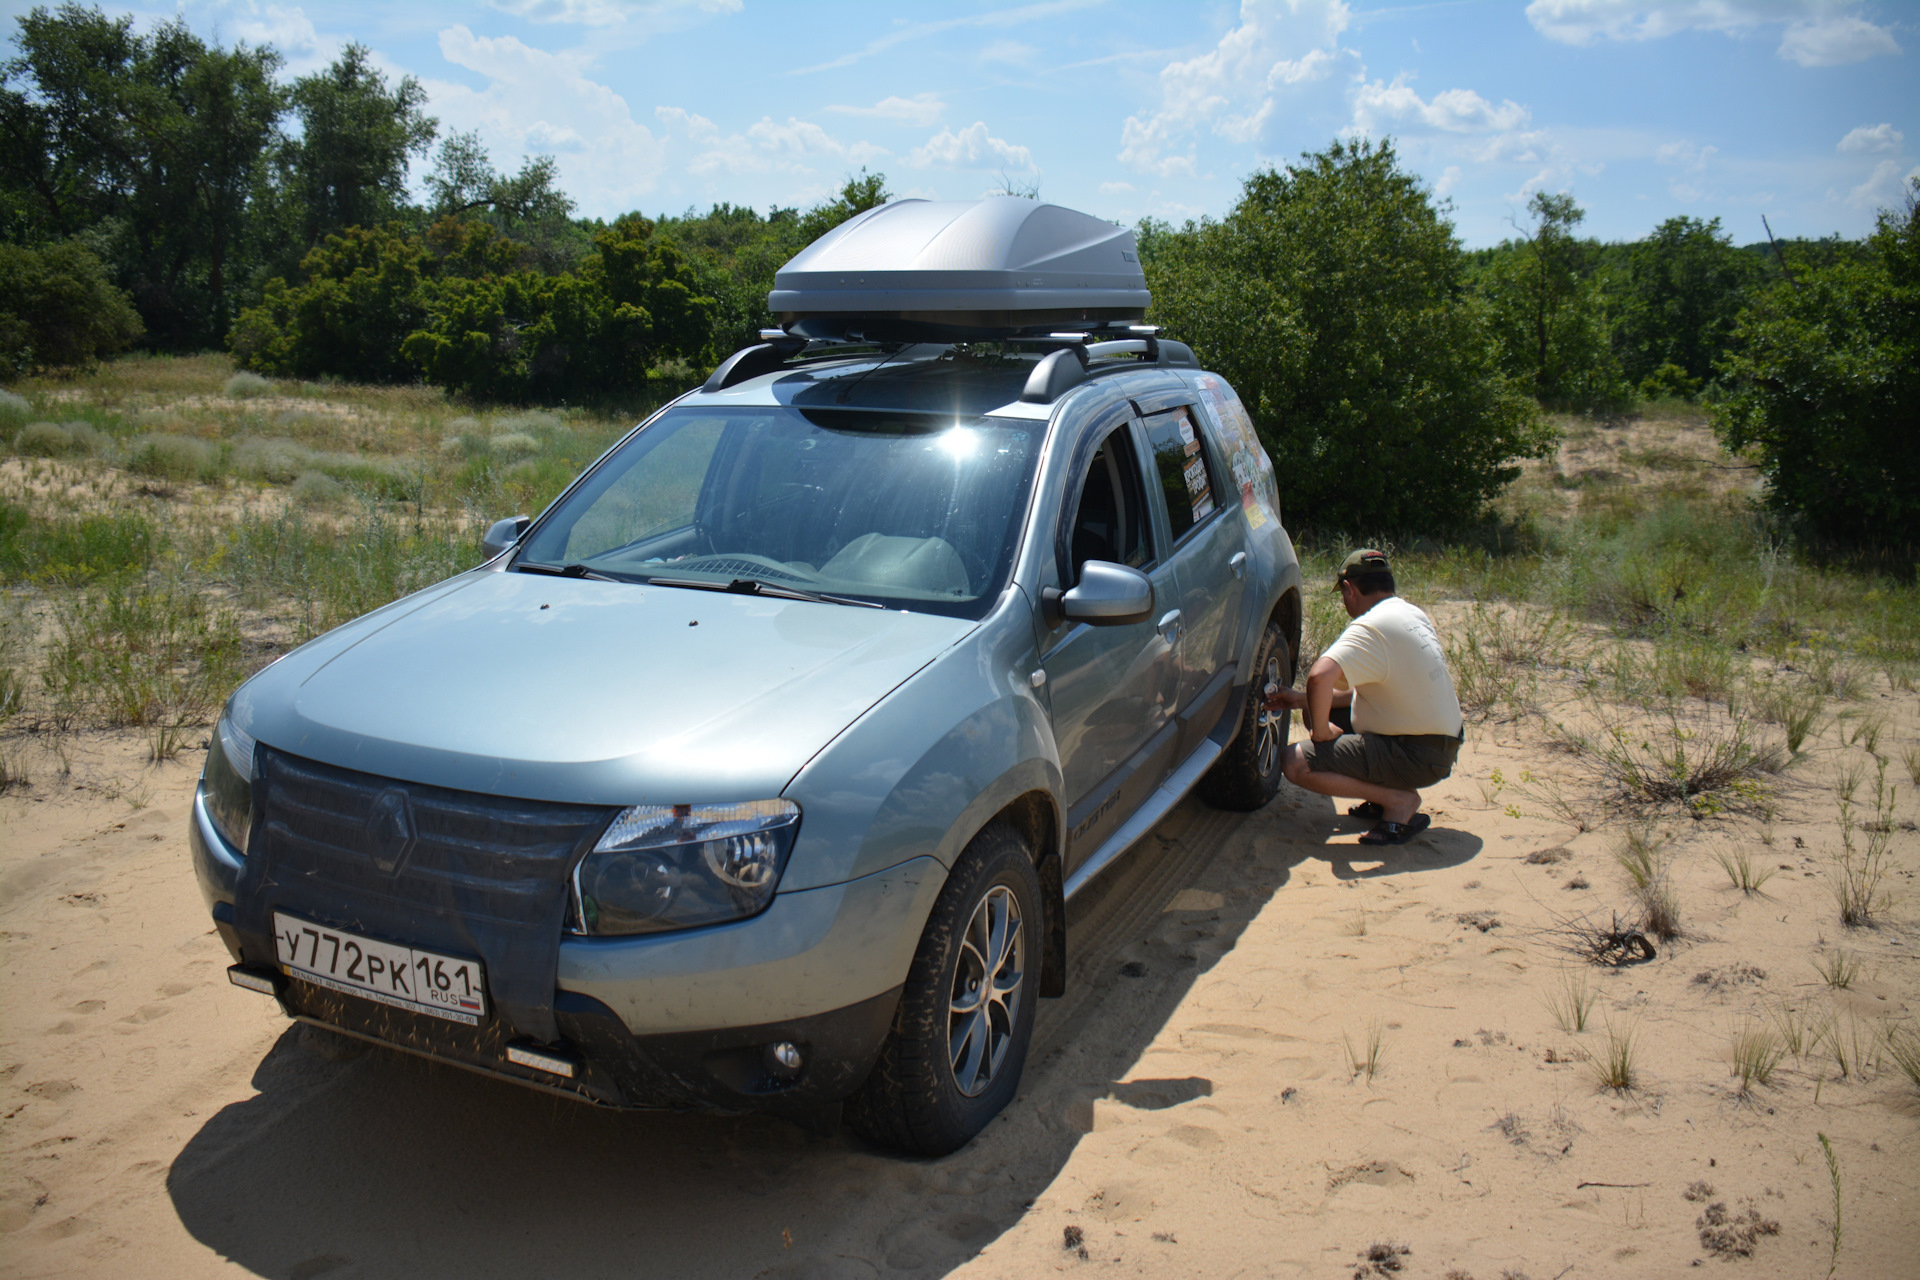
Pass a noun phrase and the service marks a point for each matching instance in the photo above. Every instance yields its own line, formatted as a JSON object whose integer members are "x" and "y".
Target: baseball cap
{"x": 1365, "y": 560}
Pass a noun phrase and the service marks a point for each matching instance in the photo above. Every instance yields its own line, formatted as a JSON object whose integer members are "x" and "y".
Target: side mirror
{"x": 1109, "y": 595}
{"x": 503, "y": 534}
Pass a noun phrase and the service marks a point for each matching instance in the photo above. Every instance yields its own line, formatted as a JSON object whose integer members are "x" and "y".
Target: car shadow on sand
{"x": 355, "y": 1162}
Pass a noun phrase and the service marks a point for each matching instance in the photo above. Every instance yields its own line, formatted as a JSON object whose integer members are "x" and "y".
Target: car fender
{"x": 924, "y": 769}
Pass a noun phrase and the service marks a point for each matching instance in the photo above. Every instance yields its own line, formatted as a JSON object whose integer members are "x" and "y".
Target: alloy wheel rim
{"x": 988, "y": 984}
{"x": 1271, "y": 724}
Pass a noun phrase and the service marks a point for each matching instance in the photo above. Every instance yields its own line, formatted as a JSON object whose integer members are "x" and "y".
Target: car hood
{"x": 594, "y": 692}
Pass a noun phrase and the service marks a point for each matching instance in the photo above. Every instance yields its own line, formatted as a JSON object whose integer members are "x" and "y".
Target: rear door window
{"x": 1181, "y": 462}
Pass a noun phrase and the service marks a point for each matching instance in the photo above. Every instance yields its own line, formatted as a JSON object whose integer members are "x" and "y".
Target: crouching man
{"x": 1388, "y": 668}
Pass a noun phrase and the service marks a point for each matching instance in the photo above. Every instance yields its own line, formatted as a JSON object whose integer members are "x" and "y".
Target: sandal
{"x": 1397, "y": 832}
{"x": 1369, "y": 810}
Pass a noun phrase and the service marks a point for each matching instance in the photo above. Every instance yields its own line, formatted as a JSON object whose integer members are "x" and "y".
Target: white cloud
{"x": 997, "y": 19}
{"x": 922, "y": 109}
{"x": 1012, "y": 52}
{"x": 972, "y": 148}
{"x": 1819, "y": 33}
{"x": 1685, "y": 154}
{"x": 1449, "y": 179}
{"x": 536, "y": 101}
{"x": 1384, "y": 108}
{"x": 1884, "y": 188}
{"x": 767, "y": 146}
{"x": 1879, "y": 137}
{"x": 1232, "y": 90}
{"x": 1116, "y": 188}
{"x": 1836, "y": 42}
{"x": 605, "y": 13}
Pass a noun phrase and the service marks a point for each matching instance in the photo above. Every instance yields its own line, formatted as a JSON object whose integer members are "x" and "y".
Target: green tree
{"x": 357, "y": 137}
{"x": 359, "y": 299}
{"x": 1551, "y": 310}
{"x": 150, "y": 145}
{"x": 1333, "y": 297}
{"x": 1686, "y": 285}
{"x": 58, "y": 308}
{"x": 1823, "y": 387}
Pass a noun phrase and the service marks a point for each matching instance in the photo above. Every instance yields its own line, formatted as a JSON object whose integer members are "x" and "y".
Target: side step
{"x": 1158, "y": 805}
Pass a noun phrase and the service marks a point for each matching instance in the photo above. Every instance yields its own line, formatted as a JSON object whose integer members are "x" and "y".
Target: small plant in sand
{"x": 1911, "y": 758}
{"x": 1833, "y": 1230}
{"x": 1365, "y": 1059}
{"x": 1643, "y": 855}
{"x": 1571, "y": 1003}
{"x": 1856, "y": 876}
{"x": 1855, "y": 1047}
{"x": 1901, "y": 1046}
{"x": 1757, "y": 1050}
{"x": 1615, "y": 1066}
{"x": 1706, "y": 760}
{"x": 1865, "y": 733}
{"x": 1795, "y": 707}
{"x": 1801, "y": 1030}
{"x": 1838, "y": 968}
{"x": 1355, "y": 925}
{"x": 1746, "y": 875}
{"x": 1496, "y": 656}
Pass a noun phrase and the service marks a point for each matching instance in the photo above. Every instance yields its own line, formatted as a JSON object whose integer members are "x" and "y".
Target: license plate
{"x": 404, "y": 977}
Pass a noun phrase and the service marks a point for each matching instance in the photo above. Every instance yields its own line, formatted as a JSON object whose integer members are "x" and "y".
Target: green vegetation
{"x": 1333, "y": 298}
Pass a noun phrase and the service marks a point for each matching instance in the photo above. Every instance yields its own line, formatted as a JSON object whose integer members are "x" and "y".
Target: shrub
{"x": 1822, "y": 382}
{"x": 57, "y": 308}
{"x": 73, "y": 550}
{"x": 1332, "y": 297}
{"x": 318, "y": 489}
{"x": 245, "y": 385}
{"x": 14, "y": 409}
{"x": 178, "y": 458}
{"x": 43, "y": 440}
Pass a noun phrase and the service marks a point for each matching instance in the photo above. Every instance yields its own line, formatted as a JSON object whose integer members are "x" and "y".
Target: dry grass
{"x": 1746, "y": 875}
{"x": 1571, "y": 1003}
{"x": 1901, "y": 1046}
{"x": 1365, "y": 1060}
{"x": 1838, "y": 968}
{"x": 1644, "y": 855}
{"x": 1757, "y": 1051}
{"x": 1616, "y": 1065}
{"x": 1857, "y": 874}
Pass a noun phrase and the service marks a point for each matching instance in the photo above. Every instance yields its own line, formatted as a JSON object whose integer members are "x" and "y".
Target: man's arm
{"x": 1322, "y": 698}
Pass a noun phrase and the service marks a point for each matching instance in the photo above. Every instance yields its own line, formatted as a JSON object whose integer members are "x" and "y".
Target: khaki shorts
{"x": 1406, "y": 762}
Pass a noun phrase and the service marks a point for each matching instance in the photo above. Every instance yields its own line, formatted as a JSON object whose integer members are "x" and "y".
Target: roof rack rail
{"x": 1071, "y": 364}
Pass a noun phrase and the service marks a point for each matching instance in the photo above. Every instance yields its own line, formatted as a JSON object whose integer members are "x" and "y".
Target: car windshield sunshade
{"x": 915, "y": 511}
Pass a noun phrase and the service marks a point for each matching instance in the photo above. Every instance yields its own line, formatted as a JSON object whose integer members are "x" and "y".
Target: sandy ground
{"x": 1189, "y": 1108}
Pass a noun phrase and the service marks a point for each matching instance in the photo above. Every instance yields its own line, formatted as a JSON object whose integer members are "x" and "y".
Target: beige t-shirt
{"x": 1390, "y": 656}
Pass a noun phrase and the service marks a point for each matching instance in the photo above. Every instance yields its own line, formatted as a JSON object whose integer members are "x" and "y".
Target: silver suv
{"x": 758, "y": 770}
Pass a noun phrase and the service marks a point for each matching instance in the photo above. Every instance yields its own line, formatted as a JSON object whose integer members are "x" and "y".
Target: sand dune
{"x": 1189, "y": 1110}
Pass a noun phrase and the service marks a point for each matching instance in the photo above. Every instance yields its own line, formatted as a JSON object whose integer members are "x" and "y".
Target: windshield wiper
{"x": 575, "y": 570}
{"x": 760, "y": 587}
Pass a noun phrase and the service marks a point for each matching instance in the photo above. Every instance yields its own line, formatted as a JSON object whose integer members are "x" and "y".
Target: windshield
{"x": 911, "y": 510}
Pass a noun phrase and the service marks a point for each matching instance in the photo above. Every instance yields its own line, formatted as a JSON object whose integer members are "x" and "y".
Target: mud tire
{"x": 912, "y": 1102}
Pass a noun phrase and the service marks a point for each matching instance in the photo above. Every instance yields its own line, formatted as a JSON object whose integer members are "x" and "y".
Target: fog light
{"x": 540, "y": 1060}
{"x": 785, "y": 1056}
{"x": 267, "y": 984}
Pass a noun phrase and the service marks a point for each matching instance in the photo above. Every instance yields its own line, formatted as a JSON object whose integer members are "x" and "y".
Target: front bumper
{"x": 683, "y": 1019}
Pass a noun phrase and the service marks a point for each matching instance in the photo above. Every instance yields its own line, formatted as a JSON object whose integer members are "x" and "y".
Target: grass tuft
{"x": 1901, "y": 1046}
{"x": 1856, "y": 876}
{"x": 1741, "y": 869}
{"x": 1757, "y": 1050}
{"x": 1838, "y": 968}
{"x": 1644, "y": 857}
{"x": 1572, "y": 1003}
{"x": 1366, "y": 1060}
{"x": 1615, "y": 1066}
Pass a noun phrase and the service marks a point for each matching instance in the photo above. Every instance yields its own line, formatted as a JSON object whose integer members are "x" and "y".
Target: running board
{"x": 1147, "y": 816}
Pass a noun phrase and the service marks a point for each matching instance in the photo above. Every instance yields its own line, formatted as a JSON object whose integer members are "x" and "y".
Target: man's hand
{"x": 1279, "y": 699}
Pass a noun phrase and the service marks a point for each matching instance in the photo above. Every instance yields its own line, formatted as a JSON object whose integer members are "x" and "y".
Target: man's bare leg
{"x": 1396, "y": 805}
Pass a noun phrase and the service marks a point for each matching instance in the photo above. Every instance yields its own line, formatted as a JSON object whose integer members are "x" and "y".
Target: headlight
{"x": 664, "y": 867}
{"x": 228, "y": 783}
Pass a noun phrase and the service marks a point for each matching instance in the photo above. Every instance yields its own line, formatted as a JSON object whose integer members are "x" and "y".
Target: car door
{"x": 1113, "y": 689}
{"x": 1208, "y": 544}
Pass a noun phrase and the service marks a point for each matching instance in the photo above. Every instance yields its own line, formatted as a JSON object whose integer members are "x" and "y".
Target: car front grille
{"x": 458, "y": 871}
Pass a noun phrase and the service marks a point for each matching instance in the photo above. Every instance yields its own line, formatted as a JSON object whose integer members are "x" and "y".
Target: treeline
{"x": 1396, "y": 378}
{"x": 162, "y": 191}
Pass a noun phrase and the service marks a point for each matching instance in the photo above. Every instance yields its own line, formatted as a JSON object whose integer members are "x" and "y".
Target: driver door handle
{"x": 1238, "y": 564}
{"x": 1169, "y": 626}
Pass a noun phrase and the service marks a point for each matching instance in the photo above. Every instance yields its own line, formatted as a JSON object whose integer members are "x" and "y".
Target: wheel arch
{"x": 1037, "y": 816}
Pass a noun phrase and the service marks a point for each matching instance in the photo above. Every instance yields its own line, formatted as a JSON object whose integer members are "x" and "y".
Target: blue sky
{"x": 1710, "y": 108}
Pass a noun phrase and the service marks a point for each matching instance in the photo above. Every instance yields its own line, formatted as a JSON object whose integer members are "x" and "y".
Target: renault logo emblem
{"x": 389, "y": 830}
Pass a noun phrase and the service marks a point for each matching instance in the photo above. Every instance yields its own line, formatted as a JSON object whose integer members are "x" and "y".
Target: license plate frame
{"x": 402, "y": 977}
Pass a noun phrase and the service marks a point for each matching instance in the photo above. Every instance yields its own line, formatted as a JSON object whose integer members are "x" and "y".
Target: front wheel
{"x": 960, "y": 1034}
{"x": 1247, "y": 774}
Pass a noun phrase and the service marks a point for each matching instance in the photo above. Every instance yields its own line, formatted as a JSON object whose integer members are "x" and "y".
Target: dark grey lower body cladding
{"x": 458, "y": 872}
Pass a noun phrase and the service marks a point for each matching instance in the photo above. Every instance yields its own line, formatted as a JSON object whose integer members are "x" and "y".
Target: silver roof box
{"x": 955, "y": 269}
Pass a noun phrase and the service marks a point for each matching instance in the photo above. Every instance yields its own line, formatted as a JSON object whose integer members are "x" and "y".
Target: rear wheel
{"x": 1247, "y": 774}
{"x": 959, "y": 1040}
